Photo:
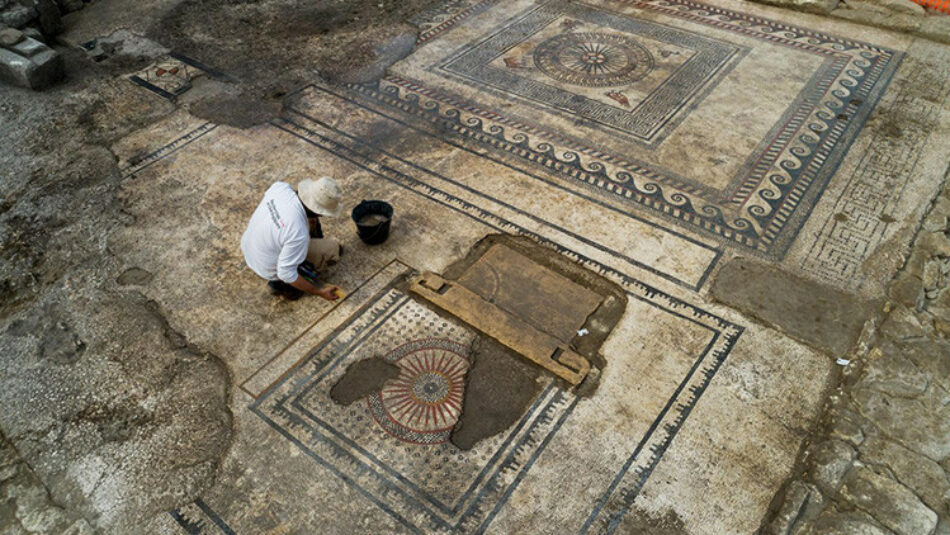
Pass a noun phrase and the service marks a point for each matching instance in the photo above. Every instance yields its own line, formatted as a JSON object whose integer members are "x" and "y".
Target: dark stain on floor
{"x": 815, "y": 313}
{"x": 271, "y": 48}
{"x": 500, "y": 386}
{"x": 361, "y": 379}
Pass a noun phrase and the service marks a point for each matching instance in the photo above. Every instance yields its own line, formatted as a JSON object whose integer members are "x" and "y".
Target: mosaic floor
{"x": 637, "y": 82}
{"x": 646, "y": 141}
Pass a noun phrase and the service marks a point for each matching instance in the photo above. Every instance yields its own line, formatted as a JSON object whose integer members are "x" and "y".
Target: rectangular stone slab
{"x": 536, "y": 346}
{"x": 542, "y": 298}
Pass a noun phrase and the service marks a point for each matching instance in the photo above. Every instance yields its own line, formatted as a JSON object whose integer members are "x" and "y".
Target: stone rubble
{"x": 41, "y": 13}
{"x": 26, "y": 62}
{"x": 882, "y": 462}
{"x": 25, "y": 27}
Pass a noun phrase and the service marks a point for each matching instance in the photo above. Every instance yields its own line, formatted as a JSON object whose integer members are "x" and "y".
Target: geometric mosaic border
{"x": 474, "y": 512}
{"x": 186, "y": 139}
{"x": 197, "y": 518}
{"x": 767, "y": 206}
{"x": 305, "y": 122}
{"x": 630, "y": 478}
{"x": 280, "y": 407}
{"x": 872, "y": 193}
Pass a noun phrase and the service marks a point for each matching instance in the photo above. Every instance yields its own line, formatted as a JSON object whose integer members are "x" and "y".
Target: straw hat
{"x": 321, "y": 196}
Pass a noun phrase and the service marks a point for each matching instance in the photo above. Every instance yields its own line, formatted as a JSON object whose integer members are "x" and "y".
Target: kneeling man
{"x": 284, "y": 237}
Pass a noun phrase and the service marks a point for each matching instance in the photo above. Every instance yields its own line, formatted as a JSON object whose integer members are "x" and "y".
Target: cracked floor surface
{"x": 157, "y": 388}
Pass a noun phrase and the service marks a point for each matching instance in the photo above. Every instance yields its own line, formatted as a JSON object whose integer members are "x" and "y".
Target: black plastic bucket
{"x": 372, "y": 220}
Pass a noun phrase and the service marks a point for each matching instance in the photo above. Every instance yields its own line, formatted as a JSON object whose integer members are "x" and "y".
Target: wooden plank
{"x": 511, "y": 331}
{"x": 517, "y": 284}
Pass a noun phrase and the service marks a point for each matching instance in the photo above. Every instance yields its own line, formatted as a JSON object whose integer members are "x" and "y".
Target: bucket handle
{"x": 375, "y": 232}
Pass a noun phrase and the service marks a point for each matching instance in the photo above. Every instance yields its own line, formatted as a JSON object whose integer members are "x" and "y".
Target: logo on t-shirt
{"x": 274, "y": 214}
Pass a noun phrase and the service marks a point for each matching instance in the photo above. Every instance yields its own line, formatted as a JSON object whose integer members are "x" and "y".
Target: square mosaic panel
{"x": 631, "y": 75}
{"x": 397, "y": 456}
{"x": 168, "y": 77}
{"x": 171, "y": 75}
{"x": 654, "y": 106}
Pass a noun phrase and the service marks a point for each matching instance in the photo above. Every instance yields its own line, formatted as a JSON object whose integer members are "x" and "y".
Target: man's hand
{"x": 328, "y": 293}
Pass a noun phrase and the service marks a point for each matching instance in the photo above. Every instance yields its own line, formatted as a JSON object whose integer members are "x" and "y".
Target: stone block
{"x": 800, "y": 503}
{"x": 846, "y": 425}
{"x": 929, "y": 434}
{"x": 931, "y": 356}
{"x": 850, "y": 523}
{"x": 49, "y": 17}
{"x": 942, "y": 327}
{"x": 827, "y": 464}
{"x": 901, "y": 324}
{"x": 932, "y": 276}
{"x": 10, "y": 37}
{"x": 28, "y": 48}
{"x": 937, "y": 221}
{"x": 30, "y": 64}
{"x": 17, "y": 15}
{"x": 68, "y": 6}
{"x": 893, "y": 374}
{"x": 920, "y": 474}
{"x": 15, "y": 69}
{"x": 888, "y": 502}
{"x": 935, "y": 243}
{"x": 906, "y": 289}
{"x": 34, "y": 33}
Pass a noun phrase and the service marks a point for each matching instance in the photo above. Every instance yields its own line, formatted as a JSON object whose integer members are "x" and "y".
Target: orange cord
{"x": 940, "y": 5}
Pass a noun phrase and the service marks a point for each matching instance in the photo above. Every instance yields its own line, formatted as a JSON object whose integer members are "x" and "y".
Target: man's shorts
{"x": 323, "y": 252}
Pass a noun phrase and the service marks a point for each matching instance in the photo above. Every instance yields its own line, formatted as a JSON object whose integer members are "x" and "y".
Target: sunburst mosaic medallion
{"x": 593, "y": 59}
{"x": 424, "y": 402}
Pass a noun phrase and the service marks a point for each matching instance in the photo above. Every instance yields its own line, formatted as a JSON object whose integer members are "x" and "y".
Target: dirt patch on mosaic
{"x": 502, "y": 383}
{"x": 363, "y": 378}
{"x": 499, "y": 389}
{"x": 273, "y": 47}
{"x": 817, "y": 314}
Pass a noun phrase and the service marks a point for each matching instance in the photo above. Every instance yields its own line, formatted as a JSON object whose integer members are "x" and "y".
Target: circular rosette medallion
{"x": 424, "y": 402}
{"x": 593, "y": 59}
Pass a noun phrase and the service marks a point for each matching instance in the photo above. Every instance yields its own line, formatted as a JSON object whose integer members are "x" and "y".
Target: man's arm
{"x": 291, "y": 256}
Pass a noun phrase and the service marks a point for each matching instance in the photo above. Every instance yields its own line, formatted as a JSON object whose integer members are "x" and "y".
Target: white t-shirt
{"x": 278, "y": 235}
